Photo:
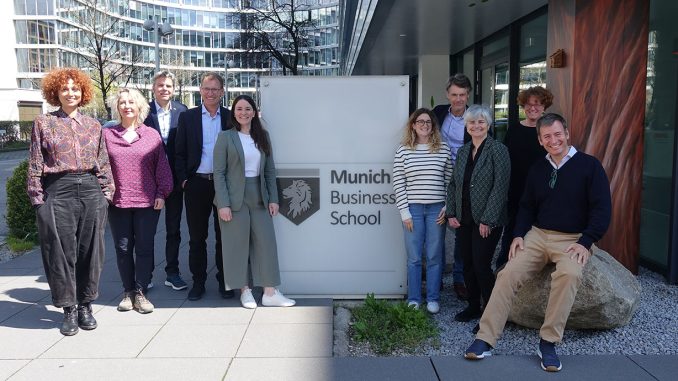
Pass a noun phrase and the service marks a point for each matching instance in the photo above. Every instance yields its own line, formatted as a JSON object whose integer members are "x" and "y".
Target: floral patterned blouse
{"x": 61, "y": 144}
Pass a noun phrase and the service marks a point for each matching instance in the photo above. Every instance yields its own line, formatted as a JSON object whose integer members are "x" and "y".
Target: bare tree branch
{"x": 110, "y": 61}
{"x": 281, "y": 29}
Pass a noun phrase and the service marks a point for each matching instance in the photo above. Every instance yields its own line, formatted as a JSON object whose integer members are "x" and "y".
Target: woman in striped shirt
{"x": 421, "y": 170}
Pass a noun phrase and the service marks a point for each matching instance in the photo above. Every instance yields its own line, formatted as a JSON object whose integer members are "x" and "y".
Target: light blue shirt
{"x": 453, "y": 133}
{"x": 211, "y": 126}
{"x": 164, "y": 120}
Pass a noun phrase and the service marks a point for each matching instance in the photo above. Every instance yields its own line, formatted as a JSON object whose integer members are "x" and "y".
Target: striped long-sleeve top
{"x": 420, "y": 176}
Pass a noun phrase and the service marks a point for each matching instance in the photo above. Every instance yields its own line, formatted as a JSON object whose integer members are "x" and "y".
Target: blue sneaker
{"x": 478, "y": 350}
{"x": 549, "y": 358}
{"x": 175, "y": 282}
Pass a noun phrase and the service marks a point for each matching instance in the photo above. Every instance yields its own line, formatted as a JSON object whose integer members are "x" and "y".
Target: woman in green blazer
{"x": 246, "y": 196}
{"x": 476, "y": 206}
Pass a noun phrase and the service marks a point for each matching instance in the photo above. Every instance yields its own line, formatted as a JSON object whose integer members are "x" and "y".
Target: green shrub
{"x": 20, "y": 214}
{"x": 18, "y": 245}
{"x": 390, "y": 326}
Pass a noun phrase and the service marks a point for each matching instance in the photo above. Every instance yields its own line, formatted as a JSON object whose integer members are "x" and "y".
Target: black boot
{"x": 70, "y": 325}
{"x": 85, "y": 319}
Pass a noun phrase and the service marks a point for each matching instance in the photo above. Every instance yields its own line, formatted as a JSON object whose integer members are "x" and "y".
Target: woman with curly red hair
{"x": 70, "y": 185}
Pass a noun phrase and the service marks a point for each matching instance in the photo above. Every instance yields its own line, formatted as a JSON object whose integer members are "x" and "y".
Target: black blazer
{"x": 152, "y": 121}
{"x": 188, "y": 143}
{"x": 440, "y": 112}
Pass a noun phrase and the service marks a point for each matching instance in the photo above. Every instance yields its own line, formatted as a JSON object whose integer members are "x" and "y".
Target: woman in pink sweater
{"x": 143, "y": 181}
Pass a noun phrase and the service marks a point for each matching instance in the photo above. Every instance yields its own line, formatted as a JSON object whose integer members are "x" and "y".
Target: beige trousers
{"x": 541, "y": 247}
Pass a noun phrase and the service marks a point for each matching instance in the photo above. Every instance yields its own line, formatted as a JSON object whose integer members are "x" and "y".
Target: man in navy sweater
{"x": 565, "y": 208}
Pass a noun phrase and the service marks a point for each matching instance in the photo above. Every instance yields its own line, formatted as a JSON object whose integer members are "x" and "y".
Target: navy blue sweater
{"x": 580, "y": 202}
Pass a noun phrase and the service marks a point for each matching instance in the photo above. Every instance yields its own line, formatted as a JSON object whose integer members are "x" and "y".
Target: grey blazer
{"x": 229, "y": 173}
{"x": 489, "y": 184}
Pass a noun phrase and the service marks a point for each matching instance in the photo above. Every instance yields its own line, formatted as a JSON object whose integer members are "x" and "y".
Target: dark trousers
{"x": 506, "y": 240}
{"x": 71, "y": 226}
{"x": 477, "y": 253}
{"x": 133, "y": 231}
{"x": 174, "y": 205}
{"x": 199, "y": 197}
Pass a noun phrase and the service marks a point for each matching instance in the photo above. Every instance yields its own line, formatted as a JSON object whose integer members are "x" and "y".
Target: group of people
{"x": 549, "y": 201}
{"x": 158, "y": 154}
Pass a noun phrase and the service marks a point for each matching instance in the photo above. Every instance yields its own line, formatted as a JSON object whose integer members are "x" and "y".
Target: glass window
{"x": 660, "y": 126}
{"x": 21, "y": 31}
{"x": 532, "y": 54}
{"x": 20, "y": 7}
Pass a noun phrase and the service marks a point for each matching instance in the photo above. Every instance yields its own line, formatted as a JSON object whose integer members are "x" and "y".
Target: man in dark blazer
{"x": 164, "y": 117}
{"x": 196, "y": 135}
{"x": 451, "y": 121}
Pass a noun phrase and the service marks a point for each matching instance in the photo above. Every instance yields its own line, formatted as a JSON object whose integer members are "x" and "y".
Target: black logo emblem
{"x": 299, "y": 193}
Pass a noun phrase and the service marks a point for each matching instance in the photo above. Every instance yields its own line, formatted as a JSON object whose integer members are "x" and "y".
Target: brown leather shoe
{"x": 460, "y": 290}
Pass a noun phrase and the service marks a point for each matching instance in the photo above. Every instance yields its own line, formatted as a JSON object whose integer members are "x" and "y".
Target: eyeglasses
{"x": 538, "y": 105}
{"x": 422, "y": 122}
{"x": 211, "y": 89}
{"x": 554, "y": 177}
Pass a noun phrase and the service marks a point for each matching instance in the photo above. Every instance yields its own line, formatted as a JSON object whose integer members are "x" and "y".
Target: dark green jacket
{"x": 489, "y": 184}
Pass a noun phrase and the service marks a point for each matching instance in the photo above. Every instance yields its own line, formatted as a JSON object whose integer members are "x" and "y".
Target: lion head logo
{"x": 299, "y": 194}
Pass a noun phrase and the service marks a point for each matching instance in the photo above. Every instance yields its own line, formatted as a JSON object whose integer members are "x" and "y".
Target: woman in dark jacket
{"x": 476, "y": 206}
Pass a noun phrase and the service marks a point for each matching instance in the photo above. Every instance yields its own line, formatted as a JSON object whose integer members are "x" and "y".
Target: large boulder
{"x": 607, "y": 298}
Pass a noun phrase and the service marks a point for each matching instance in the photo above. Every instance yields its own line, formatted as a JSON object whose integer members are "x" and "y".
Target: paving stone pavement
{"x": 216, "y": 339}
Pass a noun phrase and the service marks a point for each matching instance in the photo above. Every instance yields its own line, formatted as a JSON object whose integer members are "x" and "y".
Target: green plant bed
{"x": 15, "y": 146}
{"x": 392, "y": 326}
{"x": 18, "y": 245}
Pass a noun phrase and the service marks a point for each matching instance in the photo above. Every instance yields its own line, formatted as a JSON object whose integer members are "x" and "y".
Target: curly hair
{"x": 410, "y": 135}
{"x": 55, "y": 79}
{"x": 544, "y": 96}
{"x": 141, "y": 102}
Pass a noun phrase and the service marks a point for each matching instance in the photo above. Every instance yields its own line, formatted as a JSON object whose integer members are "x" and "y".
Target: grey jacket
{"x": 489, "y": 184}
{"x": 229, "y": 173}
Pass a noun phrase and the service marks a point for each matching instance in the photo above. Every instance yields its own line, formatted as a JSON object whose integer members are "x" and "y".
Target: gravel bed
{"x": 652, "y": 331}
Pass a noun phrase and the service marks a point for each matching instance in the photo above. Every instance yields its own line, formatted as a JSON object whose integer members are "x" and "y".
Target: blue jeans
{"x": 425, "y": 230}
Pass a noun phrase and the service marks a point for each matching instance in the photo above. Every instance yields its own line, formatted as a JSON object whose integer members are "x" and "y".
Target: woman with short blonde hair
{"x": 144, "y": 180}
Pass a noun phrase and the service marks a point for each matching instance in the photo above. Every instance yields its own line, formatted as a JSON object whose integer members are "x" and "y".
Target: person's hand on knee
{"x": 578, "y": 253}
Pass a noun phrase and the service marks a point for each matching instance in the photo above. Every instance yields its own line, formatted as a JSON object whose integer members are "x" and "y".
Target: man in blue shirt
{"x": 565, "y": 208}
{"x": 451, "y": 121}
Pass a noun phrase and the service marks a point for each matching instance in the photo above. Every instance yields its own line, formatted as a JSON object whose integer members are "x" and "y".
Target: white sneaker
{"x": 433, "y": 307}
{"x": 277, "y": 300}
{"x": 414, "y": 305}
{"x": 126, "y": 302}
{"x": 247, "y": 300}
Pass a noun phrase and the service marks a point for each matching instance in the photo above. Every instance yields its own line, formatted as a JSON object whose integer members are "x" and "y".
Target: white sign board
{"x": 334, "y": 138}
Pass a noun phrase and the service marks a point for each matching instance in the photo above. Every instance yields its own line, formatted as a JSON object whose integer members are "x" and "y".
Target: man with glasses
{"x": 196, "y": 135}
{"x": 451, "y": 122}
{"x": 164, "y": 117}
{"x": 565, "y": 208}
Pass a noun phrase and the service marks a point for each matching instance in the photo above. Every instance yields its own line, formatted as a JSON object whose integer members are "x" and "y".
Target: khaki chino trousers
{"x": 541, "y": 247}
{"x": 250, "y": 237}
